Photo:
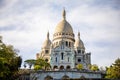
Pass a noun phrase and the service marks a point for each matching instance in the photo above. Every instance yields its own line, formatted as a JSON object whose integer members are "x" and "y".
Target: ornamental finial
{"x": 48, "y": 35}
{"x": 78, "y": 34}
{"x": 64, "y": 14}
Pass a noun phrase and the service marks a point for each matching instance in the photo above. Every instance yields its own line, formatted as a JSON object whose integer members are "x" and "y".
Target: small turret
{"x": 79, "y": 43}
{"x": 47, "y": 42}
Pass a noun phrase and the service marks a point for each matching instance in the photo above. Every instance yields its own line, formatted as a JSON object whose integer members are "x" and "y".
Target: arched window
{"x": 61, "y": 67}
{"x": 67, "y": 67}
{"x": 68, "y": 59}
{"x": 56, "y": 59}
{"x": 55, "y": 67}
{"x": 79, "y": 51}
{"x": 62, "y": 54}
{"x": 66, "y": 43}
{"x": 46, "y": 51}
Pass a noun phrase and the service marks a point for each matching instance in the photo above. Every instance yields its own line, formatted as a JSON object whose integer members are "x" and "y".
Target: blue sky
{"x": 25, "y": 23}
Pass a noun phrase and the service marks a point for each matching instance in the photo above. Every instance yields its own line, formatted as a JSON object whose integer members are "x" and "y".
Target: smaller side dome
{"x": 79, "y": 43}
{"x": 47, "y": 42}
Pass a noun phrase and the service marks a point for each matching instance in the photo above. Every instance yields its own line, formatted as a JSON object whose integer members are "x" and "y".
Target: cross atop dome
{"x": 64, "y": 14}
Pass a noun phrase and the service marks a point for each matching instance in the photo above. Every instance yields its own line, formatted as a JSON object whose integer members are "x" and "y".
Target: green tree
{"x": 94, "y": 67}
{"x": 79, "y": 66}
{"x": 10, "y": 62}
{"x": 30, "y": 62}
{"x": 37, "y": 67}
{"x": 113, "y": 71}
{"x": 38, "y": 64}
{"x": 42, "y": 63}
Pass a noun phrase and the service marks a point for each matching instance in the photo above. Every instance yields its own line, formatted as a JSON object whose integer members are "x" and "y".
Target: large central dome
{"x": 63, "y": 30}
{"x": 63, "y": 26}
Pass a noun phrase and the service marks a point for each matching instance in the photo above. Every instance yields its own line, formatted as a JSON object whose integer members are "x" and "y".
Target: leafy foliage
{"x": 113, "y": 71}
{"x": 79, "y": 66}
{"x": 30, "y": 62}
{"x": 94, "y": 67}
{"x": 37, "y": 67}
{"x": 42, "y": 63}
{"x": 38, "y": 64}
{"x": 10, "y": 62}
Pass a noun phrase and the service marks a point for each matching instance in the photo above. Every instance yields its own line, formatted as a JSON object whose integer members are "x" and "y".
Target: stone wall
{"x": 42, "y": 75}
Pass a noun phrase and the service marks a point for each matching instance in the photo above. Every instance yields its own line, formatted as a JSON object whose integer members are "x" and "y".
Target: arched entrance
{"x": 65, "y": 77}
{"x": 48, "y": 78}
{"x": 68, "y": 67}
{"x": 61, "y": 67}
{"x": 55, "y": 67}
{"x": 46, "y": 60}
{"x": 82, "y": 77}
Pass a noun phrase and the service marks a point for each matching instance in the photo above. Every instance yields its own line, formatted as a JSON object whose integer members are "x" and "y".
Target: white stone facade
{"x": 64, "y": 52}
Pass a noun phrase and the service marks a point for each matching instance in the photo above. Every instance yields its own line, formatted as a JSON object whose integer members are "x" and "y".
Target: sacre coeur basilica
{"x": 64, "y": 53}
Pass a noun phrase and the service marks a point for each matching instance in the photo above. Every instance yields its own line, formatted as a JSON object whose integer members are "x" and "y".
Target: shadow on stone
{"x": 48, "y": 78}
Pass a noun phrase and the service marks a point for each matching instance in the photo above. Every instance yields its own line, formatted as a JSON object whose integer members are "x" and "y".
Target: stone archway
{"x": 82, "y": 77}
{"x": 65, "y": 77}
{"x": 55, "y": 67}
{"x": 61, "y": 67}
{"x": 48, "y": 78}
{"x": 68, "y": 67}
{"x": 46, "y": 60}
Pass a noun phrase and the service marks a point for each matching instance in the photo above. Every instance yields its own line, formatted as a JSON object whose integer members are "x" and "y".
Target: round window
{"x": 79, "y": 60}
